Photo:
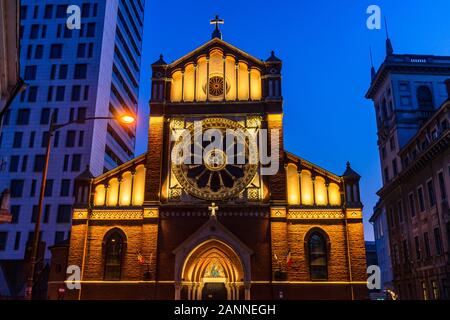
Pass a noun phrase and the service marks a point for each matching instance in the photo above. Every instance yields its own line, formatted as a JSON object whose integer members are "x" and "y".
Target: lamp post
{"x": 125, "y": 119}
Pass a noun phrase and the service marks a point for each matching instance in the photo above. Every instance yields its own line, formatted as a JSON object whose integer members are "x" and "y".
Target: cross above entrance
{"x": 213, "y": 208}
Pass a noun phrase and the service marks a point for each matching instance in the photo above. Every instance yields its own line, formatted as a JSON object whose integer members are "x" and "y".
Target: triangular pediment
{"x": 211, "y": 45}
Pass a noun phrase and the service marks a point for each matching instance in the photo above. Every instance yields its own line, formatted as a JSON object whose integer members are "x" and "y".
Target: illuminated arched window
{"x": 114, "y": 247}
{"x": 318, "y": 256}
{"x": 424, "y": 97}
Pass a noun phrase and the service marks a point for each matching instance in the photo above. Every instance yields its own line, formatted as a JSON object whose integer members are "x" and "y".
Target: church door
{"x": 214, "y": 291}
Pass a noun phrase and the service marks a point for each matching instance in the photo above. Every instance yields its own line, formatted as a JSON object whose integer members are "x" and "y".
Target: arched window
{"x": 114, "y": 246}
{"x": 424, "y": 97}
{"x": 318, "y": 257}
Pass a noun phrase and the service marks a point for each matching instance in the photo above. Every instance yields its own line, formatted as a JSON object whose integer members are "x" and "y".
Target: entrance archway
{"x": 212, "y": 254}
{"x": 213, "y": 271}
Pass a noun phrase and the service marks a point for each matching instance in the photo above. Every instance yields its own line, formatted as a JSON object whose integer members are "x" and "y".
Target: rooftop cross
{"x": 213, "y": 209}
{"x": 216, "y": 33}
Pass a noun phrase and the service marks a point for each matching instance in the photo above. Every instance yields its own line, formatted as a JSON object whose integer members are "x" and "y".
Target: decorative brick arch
{"x": 212, "y": 238}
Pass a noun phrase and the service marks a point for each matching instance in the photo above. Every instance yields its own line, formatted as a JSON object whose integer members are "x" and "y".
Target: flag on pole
{"x": 288, "y": 258}
{"x": 140, "y": 257}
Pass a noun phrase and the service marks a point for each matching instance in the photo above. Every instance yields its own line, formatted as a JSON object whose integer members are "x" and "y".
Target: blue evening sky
{"x": 324, "y": 46}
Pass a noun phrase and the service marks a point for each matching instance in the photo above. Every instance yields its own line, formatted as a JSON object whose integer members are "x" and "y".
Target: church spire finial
{"x": 216, "y": 33}
{"x": 389, "y": 48}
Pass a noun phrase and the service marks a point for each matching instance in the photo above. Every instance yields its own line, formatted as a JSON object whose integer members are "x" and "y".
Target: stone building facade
{"x": 153, "y": 228}
{"x": 411, "y": 95}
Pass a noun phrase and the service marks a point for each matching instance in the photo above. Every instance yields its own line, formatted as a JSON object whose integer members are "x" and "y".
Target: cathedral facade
{"x": 198, "y": 217}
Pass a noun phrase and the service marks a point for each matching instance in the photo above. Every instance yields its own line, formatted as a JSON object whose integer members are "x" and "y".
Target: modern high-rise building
{"x": 411, "y": 94}
{"x": 88, "y": 72}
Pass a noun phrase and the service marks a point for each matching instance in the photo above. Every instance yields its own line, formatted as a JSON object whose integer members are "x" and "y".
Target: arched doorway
{"x": 212, "y": 271}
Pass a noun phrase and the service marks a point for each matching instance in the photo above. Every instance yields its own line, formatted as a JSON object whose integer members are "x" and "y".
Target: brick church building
{"x": 214, "y": 227}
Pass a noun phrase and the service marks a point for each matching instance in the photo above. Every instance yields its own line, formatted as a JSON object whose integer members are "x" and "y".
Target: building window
{"x": 3, "y": 239}
{"x": 81, "y": 51}
{"x": 317, "y": 250}
{"x": 420, "y": 198}
{"x": 81, "y": 139}
{"x": 63, "y": 71}
{"x": 392, "y": 144}
{"x": 56, "y": 51}
{"x": 39, "y": 162}
{"x": 442, "y": 185}
{"x": 16, "y": 188}
{"x": 80, "y": 71}
{"x": 17, "y": 241}
{"x": 386, "y": 175}
{"x": 30, "y": 73}
{"x": 39, "y": 52}
{"x": 76, "y": 91}
{"x": 59, "y": 237}
{"x": 45, "y": 116}
{"x": 86, "y": 93}
{"x": 48, "y": 13}
{"x": 23, "y": 12}
{"x": 24, "y": 163}
{"x": 44, "y": 31}
{"x": 34, "y": 213}
{"x": 60, "y": 93}
{"x": 70, "y": 139}
{"x": 33, "y": 188}
{"x": 424, "y": 290}
{"x": 400, "y": 211}
{"x": 424, "y": 97}
{"x": 14, "y": 163}
{"x": 394, "y": 167}
{"x": 431, "y": 195}
{"x": 50, "y": 94}
{"x": 48, "y": 188}
{"x": 85, "y": 10}
{"x": 34, "y": 31}
{"x": 23, "y": 117}
{"x": 15, "y": 212}
{"x": 45, "y": 137}
{"x": 391, "y": 217}
{"x": 66, "y": 163}
{"x": 435, "y": 288}
{"x": 56, "y": 139}
{"x": 76, "y": 162}
{"x": 31, "y": 141}
{"x": 17, "y": 139}
{"x": 405, "y": 252}
{"x": 65, "y": 188}
{"x": 90, "y": 30}
{"x": 412, "y": 206}
{"x": 32, "y": 94}
{"x": 114, "y": 250}
{"x": 438, "y": 241}
{"x": 417, "y": 243}
{"x": 61, "y": 11}
{"x": 35, "y": 12}
{"x": 90, "y": 50}
{"x": 81, "y": 115}
{"x": 64, "y": 213}
{"x": 46, "y": 213}
{"x": 426, "y": 240}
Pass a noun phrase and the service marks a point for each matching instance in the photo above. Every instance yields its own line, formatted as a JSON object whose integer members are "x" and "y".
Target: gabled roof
{"x": 311, "y": 166}
{"x": 133, "y": 162}
{"x": 216, "y": 42}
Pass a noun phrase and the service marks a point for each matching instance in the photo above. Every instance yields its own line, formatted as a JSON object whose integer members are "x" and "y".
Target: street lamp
{"x": 126, "y": 119}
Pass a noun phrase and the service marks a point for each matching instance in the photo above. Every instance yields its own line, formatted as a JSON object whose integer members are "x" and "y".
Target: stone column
{"x": 247, "y": 286}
